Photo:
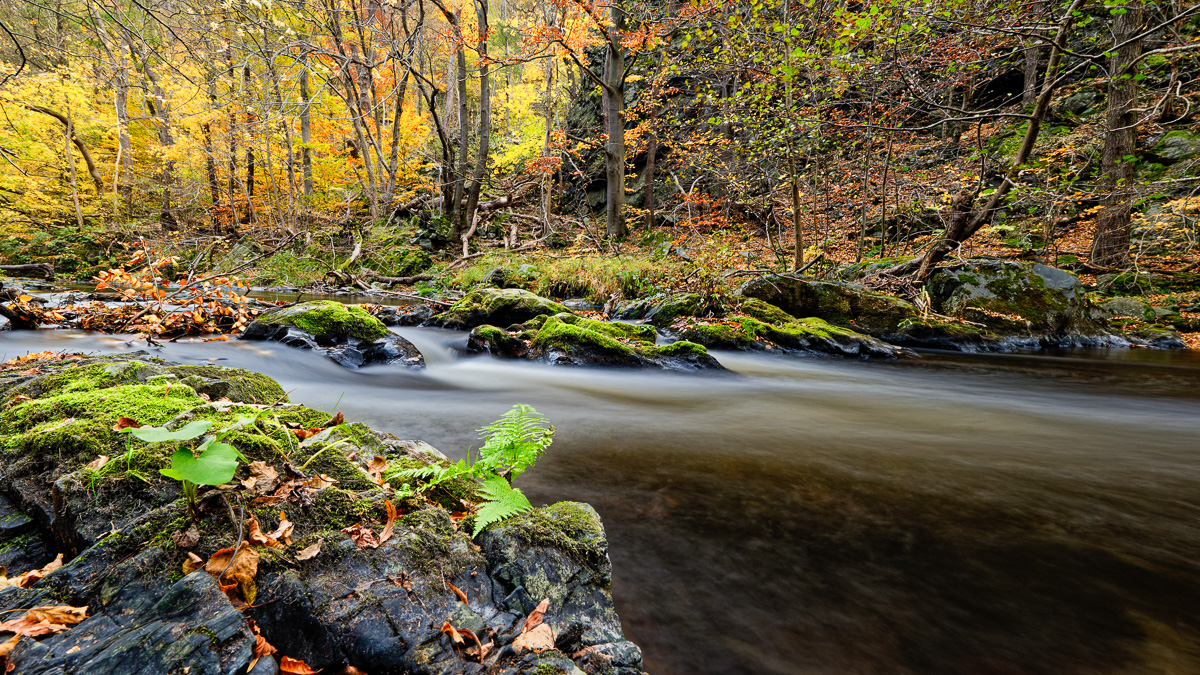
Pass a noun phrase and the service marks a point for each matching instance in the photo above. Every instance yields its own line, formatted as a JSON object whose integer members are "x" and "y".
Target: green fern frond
{"x": 513, "y": 442}
{"x": 501, "y": 501}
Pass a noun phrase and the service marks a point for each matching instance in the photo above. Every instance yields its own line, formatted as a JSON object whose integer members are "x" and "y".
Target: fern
{"x": 513, "y": 442}
{"x": 501, "y": 501}
{"x": 511, "y": 445}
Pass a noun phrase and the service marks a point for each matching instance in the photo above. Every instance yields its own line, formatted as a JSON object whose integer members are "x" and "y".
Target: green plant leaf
{"x": 161, "y": 435}
{"x": 214, "y": 466}
{"x": 501, "y": 501}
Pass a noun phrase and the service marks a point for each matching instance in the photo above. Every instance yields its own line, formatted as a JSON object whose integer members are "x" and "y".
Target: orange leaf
{"x": 125, "y": 423}
{"x": 457, "y": 591}
{"x": 45, "y": 620}
{"x": 238, "y": 579}
{"x": 450, "y": 630}
{"x": 95, "y": 464}
{"x": 390, "y": 528}
{"x": 295, "y": 667}
{"x": 539, "y": 639}
{"x": 308, "y": 553}
{"x": 535, "y": 617}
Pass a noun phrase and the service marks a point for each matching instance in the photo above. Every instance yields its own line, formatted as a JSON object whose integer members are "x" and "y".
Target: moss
{"x": 680, "y": 349}
{"x": 236, "y": 384}
{"x": 327, "y": 317}
{"x": 683, "y": 304}
{"x": 765, "y": 311}
{"x": 569, "y": 526}
{"x": 623, "y": 331}
{"x": 716, "y": 336}
{"x": 560, "y": 335}
{"x": 497, "y": 306}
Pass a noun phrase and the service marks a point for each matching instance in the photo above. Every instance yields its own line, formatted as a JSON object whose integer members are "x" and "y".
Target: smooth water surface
{"x": 955, "y": 514}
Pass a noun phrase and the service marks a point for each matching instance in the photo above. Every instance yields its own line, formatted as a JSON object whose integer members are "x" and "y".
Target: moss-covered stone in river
{"x": 236, "y": 384}
{"x": 672, "y": 307}
{"x": 572, "y": 339}
{"x": 327, "y": 317}
{"x": 498, "y": 307}
{"x": 570, "y": 526}
{"x": 623, "y": 331}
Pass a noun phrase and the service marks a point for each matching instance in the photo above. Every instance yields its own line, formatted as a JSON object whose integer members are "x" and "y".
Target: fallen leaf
{"x": 186, "y": 538}
{"x": 125, "y": 423}
{"x": 450, "y": 630}
{"x": 295, "y": 667}
{"x": 457, "y": 591}
{"x": 364, "y": 537}
{"x": 320, "y": 482}
{"x": 535, "y": 617}
{"x": 95, "y": 464}
{"x": 390, "y": 527}
{"x": 538, "y": 639}
{"x": 193, "y": 563}
{"x": 7, "y": 646}
{"x": 309, "y": 552}
{"x": 74, "y": 649}
{"x": 238, "y": 580}
{"x": 335, "y": 420}
{"x": 376, "y": 467}
{"x": 31, "y": 577}
{"x": 261, "y": 646}
{"x": 45, "y": 620}
{"x": 283, "y": 533}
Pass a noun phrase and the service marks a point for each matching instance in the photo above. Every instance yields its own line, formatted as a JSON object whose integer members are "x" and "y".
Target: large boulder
{"x": 124, "y": 531}
{"x": 838, "y": 303}
{"x": 496, "y": 307}
{"x": 1013, "y": 298}
{"x": 349, "y": 335}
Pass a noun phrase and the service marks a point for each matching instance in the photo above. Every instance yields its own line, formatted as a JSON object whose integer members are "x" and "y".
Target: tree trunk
{"x": 1110, "y": 244}
{"x": 614, "y": 119}
{"x": 485, "y": 113}
{"x": 305, "y": 132}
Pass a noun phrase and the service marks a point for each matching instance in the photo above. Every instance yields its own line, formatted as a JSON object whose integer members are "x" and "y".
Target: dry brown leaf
{"x": 351, "y": 670}
{"x": 364, "y": 537}
{"x": 95, "y": 464}
{"x": 335, "y": 420}
{"x": 376, "y": 467}
{"x": 238, "y": 579}
{"x": 45, "y": 620}
{"x": 31, "y": 577}
{"x": 538, "y": 639}
{"x": 125, "y": 423}
{"x": 283, "y": 533}
{"x": 261, "y": 646}
{"x": 535, "y": 617}
{"x": 309, "y": 552}
{"x": 457, "y": 591}
{"x": 193, "y": 563}
{"x": 188, "y": 538}
{"x": 390, "y": 528}
{"x": 295, "y": 667}
{"x": 7, "y": 646}
{"x": 450, "y": 630}
{"x": 255, "y": 536}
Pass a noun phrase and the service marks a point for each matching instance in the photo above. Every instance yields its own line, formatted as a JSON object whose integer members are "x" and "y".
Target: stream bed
{"x": 955, "y": 514}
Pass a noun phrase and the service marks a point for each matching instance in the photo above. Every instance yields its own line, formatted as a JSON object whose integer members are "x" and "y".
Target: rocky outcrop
{"x": 125, "y": 531}
{"x": 348, "y": 335}
{"x": 496, "y": 307}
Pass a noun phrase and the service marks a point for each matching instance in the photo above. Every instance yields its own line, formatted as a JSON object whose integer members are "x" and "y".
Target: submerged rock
{"x": 124, "y": 531}
{"x": 347, "y": 334}
{"x": 496, "y": 307}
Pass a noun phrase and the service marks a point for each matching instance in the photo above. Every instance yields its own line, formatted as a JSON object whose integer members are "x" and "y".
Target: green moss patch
{"x": 327, "y": 317}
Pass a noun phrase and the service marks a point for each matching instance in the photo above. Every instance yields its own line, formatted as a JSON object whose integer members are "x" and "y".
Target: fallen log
{"x": 45, "y": 269}
{"x": 371, "y": 274}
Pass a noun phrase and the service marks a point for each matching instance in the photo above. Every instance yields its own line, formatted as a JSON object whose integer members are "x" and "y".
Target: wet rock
{"x": 497, "y": 307}
{"x": 667, "y": 310}
{"x": 346, "y": 334}
{"x": 406, "y": 315}
{"x": 841, "y": 304}
{"x": 379, "y": 610}
{"x": 1123, "y": 307}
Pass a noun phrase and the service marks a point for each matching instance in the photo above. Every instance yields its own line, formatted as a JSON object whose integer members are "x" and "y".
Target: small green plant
{"x": 212, "y": 463}
{"x": 511, "y": 445}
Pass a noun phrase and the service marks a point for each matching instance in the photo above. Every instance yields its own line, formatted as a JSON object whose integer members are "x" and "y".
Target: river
{"x": 953, "y": 514}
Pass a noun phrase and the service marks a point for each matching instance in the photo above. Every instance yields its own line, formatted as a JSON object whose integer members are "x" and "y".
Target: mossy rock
{"x": 497, "y": 307}
{"x": 487, "y": 339}
{"x": 1012, "y": 297}
{"x": 667, "y": 310}
{"x": 1176, "y": 145}
{"x": 576, "y": 344}
{"x": 322, "y": 318}
{"x": 1123, "y": 307}
{"x": 838, "y": 303}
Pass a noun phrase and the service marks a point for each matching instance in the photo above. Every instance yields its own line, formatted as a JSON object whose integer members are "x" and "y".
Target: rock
{"x": 1013, "y": 298}
{"x": 379, "y": 610}
{"x": 498, "y": 277}
{"x": 347, "y": 334}
{"x": 1123, "y": 307}
{"x": 1130, "y": 282}
{"x": 838, "y": 303}
{"x": 664, "y": 312}
{"x": 570, "y": 340}
{"x": 497, "y": 307}
{"x": 763, "y": 325}
{"x": 406, "y": 315}
{"x": 1176, "y": 145}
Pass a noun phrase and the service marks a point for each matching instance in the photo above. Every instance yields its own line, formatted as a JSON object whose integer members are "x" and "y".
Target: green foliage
{"x": 511, "y": 445}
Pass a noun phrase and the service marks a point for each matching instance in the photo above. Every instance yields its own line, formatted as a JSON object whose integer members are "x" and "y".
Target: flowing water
{"x": 955, "y": 514}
